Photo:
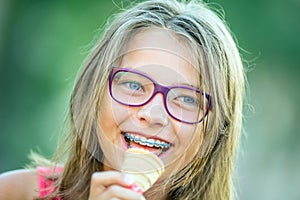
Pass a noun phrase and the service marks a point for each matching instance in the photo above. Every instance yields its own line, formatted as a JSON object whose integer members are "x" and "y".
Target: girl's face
{"x": 167, "y": 60}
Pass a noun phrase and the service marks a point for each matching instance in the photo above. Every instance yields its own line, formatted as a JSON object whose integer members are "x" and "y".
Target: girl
{"x": 166, "y": 76}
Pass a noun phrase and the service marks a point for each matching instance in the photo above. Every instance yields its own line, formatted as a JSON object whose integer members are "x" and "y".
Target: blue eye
{"x": 188, "y": 100}
{"x": 133, "y": 85}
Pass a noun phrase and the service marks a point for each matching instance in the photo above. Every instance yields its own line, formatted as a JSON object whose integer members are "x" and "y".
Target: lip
{"x": 161, "y": 155}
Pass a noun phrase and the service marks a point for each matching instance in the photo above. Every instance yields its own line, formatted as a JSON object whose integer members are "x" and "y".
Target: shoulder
{"x": 19, "y": 184}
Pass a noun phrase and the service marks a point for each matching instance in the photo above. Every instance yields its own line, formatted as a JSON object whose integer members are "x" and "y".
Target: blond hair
{"x": 208, "y": 176}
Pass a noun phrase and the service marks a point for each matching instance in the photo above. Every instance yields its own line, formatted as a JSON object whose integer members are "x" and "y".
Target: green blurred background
{"x": 43, "y": 43}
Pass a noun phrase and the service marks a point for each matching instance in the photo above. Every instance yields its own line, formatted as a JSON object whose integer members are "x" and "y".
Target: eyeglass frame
{"x": 158, "y": 88}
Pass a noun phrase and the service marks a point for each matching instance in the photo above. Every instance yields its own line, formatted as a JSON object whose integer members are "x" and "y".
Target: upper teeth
{"x": 147, "y": 142}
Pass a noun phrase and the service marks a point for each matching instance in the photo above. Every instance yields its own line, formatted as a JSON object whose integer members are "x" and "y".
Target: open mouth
{"x": 155, "y": 146}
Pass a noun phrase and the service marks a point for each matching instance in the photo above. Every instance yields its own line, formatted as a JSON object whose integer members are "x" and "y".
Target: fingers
{"x": 118, "y": 192}
{"x": 112, "y": 185}
{"x": 111, "y": 177}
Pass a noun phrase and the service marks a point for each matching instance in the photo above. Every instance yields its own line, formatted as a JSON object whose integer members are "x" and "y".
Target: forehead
{"x": 163, "y": 56}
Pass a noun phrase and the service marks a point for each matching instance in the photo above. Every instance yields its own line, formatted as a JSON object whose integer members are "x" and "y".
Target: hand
{"x": 112, "y": 185}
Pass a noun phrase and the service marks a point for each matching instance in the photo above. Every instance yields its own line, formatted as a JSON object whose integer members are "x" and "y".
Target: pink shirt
{"x": 45, "y": 184}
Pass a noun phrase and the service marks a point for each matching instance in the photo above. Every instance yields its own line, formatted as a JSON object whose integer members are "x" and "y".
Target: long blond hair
{"x": 208, "y": 176}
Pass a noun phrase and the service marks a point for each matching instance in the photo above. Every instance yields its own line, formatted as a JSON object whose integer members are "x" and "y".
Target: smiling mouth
{"x": 155, "y": 146}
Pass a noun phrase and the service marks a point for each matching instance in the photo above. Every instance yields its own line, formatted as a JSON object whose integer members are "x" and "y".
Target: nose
{"x": 154, "y": 113}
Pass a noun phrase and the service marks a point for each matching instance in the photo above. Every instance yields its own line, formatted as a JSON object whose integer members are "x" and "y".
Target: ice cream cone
{"x": 143, "y": 166}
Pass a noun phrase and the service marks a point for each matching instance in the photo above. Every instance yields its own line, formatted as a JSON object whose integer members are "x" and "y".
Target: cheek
{"x": 110, "y": 118}
{"x": 191, "y": 139}
{"x": 185, "y": 134}
{"x": 112, "y": 114}
{"x": 106, "y": 119}
{"x": 195, "y": 143}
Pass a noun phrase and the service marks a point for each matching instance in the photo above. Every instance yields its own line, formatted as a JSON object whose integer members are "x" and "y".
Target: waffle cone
{"x": 143, "y": 166}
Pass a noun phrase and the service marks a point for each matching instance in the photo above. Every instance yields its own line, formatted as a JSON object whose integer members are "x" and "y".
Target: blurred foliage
{"x": 43, "y": 43}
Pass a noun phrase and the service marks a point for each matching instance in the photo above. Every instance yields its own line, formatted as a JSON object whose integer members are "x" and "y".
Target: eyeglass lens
{"x": 181, "y": 103}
